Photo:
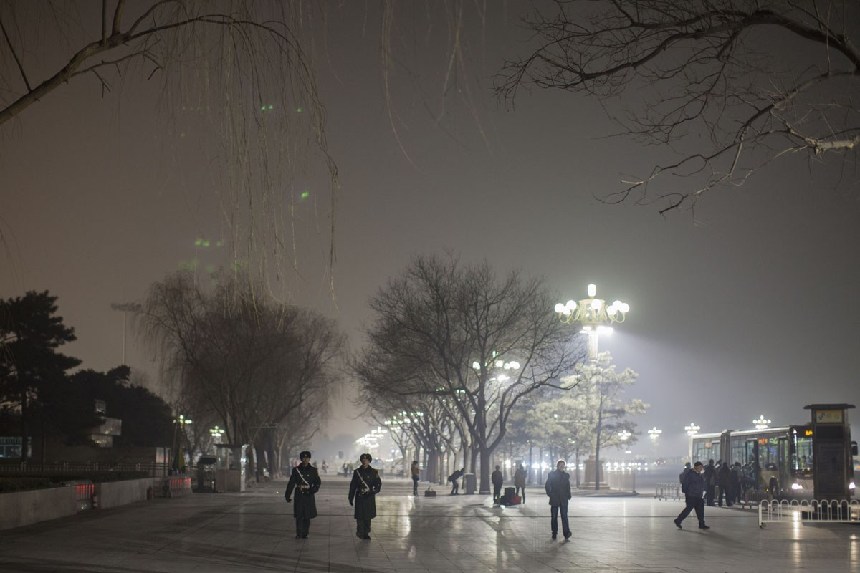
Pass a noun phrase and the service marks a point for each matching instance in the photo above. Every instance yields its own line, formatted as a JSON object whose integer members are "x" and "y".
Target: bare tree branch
{"x": 706, "y": 67}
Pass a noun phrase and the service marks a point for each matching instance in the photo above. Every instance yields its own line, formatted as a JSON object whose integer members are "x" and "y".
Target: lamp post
{"x": 692, "y": 429}
{"x": 761, "y": 423}
{"x": 125, "y": 308}
{"x": 179, "y": 422}
{"x": 654, "y": 435}
{"x": 595, "y": 316}
{"x": 216, "y": 434}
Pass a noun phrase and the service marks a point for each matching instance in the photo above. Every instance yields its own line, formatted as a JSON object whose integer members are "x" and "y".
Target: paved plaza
{"x": 254, "y": 531}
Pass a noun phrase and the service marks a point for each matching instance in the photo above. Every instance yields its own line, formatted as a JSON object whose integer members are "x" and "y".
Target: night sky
{"x": 746, "y": 306}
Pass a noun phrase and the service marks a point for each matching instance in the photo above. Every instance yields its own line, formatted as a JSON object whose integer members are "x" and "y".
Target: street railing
{"x": 153, "y": 469}
{"x": 808, "y": 511}
{"x": 621, "y": 480}
{"x": 668, "y": 490}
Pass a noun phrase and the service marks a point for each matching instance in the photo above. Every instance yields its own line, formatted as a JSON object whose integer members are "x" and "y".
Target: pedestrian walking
{"x": 454, "y": 478}
{"x": 416, "y": 473}
{"x": 558, "y": 489}
{"x": 363, "y": 488}
{"x": 520, "y": 481}
{"x": 694, "y": 492}
{"x": 497, "y": 480}
{"x": 305, "y": 481}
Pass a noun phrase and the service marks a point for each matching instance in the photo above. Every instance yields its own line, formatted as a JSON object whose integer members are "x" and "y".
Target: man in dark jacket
{"x": 727, "y": 483}
{"x": 454, "y": 478}
{"x": 520, "y": 481}
{"x": 363, "y": 488}
{"x": 558, "y": 489}
{"x": 710, "y": 482}
{"x": 694, "y": 491}
{"x": 305, "y": 480}
{"x": 497, "y": 480}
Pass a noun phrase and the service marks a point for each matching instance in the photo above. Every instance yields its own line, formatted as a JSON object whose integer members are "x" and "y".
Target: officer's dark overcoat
{"x": 365, "y": 501}
{"x": 304, "y": 503}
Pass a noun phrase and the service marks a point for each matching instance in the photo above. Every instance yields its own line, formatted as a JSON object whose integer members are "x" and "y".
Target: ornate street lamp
{"x": 654, "y": 433}
{"x": 594, "y": 315}
{"x": 216, "y": 434}
{"x": 179, "y": 460}
{"x": 624, "y": 435}
{"x": 692, "y": 429}
{"x": 761, "y": 423}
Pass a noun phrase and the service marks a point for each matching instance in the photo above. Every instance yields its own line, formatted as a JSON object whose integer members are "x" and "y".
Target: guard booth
{"x": 206, "y": 478}
{"x": 832, "y": 451}
{"x": 229, "y": 468}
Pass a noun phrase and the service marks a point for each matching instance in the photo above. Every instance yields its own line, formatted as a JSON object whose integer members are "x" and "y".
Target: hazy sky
{"x": 747, "y": 307}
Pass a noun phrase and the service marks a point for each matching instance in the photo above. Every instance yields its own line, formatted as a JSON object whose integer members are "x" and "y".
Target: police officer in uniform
{"x": 363, "y": 488}
{"x": 305, "y": 480}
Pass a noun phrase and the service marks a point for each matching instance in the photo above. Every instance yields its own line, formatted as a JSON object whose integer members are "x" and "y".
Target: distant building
{"x": 102, "y": 435}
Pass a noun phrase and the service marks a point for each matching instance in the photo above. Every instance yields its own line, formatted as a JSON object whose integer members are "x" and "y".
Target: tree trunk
{"x": 597, "y": 453}
{"x": 486, "y": 455}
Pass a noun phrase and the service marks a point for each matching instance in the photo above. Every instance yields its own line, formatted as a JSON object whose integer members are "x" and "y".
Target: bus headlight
{"x": 796, "y": 486}
{"x": 851, "y": 484}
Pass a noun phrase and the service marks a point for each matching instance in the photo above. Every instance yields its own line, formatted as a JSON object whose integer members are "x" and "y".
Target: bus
{"x": 774, "y": 461}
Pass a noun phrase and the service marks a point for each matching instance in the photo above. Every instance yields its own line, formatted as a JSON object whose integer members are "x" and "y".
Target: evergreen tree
{"x": 30, "y": 334}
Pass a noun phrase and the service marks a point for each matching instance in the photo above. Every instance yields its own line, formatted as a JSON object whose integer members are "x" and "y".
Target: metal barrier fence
{"x": 60, "y": 468}
{"x": 621, "y": 480}
{"x": 808, "y": 511}
{"x": 668, "y": 490}
{"x": 84, "y": 492}
{"x": 174, "y": 486}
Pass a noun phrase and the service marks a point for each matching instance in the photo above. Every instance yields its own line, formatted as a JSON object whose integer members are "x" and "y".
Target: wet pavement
{"x": 254, "y": 531}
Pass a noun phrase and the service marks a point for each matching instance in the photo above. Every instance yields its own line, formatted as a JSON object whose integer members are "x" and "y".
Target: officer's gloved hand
{"x": 350, "y": 502}
{"x": 289, "y": 499}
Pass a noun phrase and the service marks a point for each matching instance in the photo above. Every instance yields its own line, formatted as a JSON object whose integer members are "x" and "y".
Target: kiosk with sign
{"x": 832, "y": 451}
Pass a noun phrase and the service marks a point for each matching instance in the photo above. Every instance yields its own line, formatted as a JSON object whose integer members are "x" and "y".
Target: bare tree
{"x": 254, "y": 365}
{"x": 230, "y": 71}
{"x": 733, "y": 84}
{"x": 461, "y": 333}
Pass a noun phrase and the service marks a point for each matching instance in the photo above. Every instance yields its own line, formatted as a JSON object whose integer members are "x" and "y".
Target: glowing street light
{"x": 761, "y": 423}
{"x": 692, "y": 429}
{"x": 654, "y": 433}
{"x": 216, "y": 434}
{"x": 595, "y": 316}
{"x": 624, "y": 435}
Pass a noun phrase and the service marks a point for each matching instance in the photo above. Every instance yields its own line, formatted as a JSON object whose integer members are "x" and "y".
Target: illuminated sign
{"x": 807, "y": 432}
{"x": 828, "y": 416}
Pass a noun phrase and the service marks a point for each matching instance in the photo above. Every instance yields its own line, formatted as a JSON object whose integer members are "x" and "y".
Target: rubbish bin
{"x": 471, "y": 483}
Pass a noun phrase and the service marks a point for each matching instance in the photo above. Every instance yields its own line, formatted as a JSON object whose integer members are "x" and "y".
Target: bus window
{"x": 738, "y": 452}
{"x": 768, "y": 453}
{"x": 705, "y": 450}
{"x": 801, "y": 456}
